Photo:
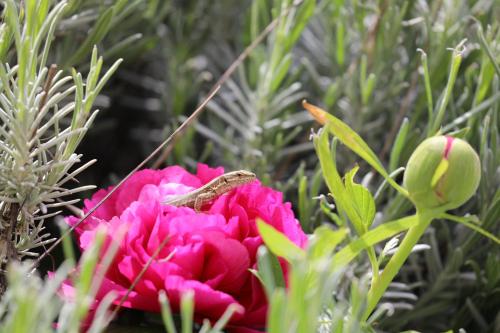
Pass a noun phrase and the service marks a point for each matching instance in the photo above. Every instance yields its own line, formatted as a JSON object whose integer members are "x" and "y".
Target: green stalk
{"x": 380, "y": 284}
{"x": 455, "y": 65}
{"x": 372, "y": 256}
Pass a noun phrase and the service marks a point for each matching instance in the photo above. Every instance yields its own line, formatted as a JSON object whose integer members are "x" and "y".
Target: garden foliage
{"x": 389, "y": 75}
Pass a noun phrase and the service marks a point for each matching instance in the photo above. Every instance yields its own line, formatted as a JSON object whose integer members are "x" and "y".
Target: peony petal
{"x": 210, "y": 253}
{"x": 231, "y": 255}
{"x": 209, "y": 303}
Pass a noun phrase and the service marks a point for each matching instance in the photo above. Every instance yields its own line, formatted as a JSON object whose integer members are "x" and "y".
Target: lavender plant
{"x": 45, "y": 114}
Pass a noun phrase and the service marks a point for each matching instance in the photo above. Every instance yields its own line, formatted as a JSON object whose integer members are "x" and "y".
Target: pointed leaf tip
{"x": 316, "y": 112}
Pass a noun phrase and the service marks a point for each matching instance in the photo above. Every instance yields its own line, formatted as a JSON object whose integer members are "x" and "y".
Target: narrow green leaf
{"x": 5, "y": 41}
{"x": 277, "y": 310}
{"x": 88, "y": 262}
{"x": 269, "y": 271}
{"x": 97, "y": 33}
{"x": 382, "y": 186}
{"x": 281, "y": 71}
{"x": 187, "y": 310}
{"x": 352, "y": 140}
{"x": 487, "y": 49}
{"x": 69, "y": 253}
{"x": 11, "y": 17}
{"x": 471, "y": 113}
{"x": 370, "y": 238}
{"x": 486, "y": 75}
{"x": 399, "y": 143}
{"x": 226, "y": 316}
{"x": 122, "y": 46}
{"x": 467, "y": 221}
{"x": 428, "y": 89}
{"x": 278, "y": 243}
{"x": 166, "y": 313}
{"x": 368, "y": 87}
{"x": 340, "y": 44}
{"x": 446, "y": 95}
{"x": 304, "y": 201}
{"x": 304, "y": 13}
{"x": 107, "y": 75}
{"x": 361, "y": 198}
{"x": 325, "y": 240}
{"x": 332, "y": 94}
{"x": 30, "y": 17}
{"x": 42, "y": 11}
{"x": 332, "y": 178}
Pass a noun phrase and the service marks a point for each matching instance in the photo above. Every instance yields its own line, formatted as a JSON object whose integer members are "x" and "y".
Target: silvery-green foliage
{"x": 35, "y": 305}
{"x": 120, "y": 27}
{"x": 255, "y": 126}
{"x": 44, "y": 114}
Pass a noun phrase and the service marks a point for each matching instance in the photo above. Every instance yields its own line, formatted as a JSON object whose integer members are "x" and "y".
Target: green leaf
{"x": 372, "y": 237}
{"x": 42, "y": 11}
{"x": 361, "y": 198}
{"x": 334, "y": 182}
{"x": 304, "y": 13}
{"x": 471, "y": 222}
{"x": 97, "y": 33}
{"x": 278, "y": 308}
{"x": 278, "y": 243}
{"x": 187, "y": 310}
{"x": 487, "y": 48}
{"x": 325, "y": 240}
{"x": 11, "y": 17}
{"x": 428, "y": 89}
{"x": 269, "y": 272}
{"x": 281, "y": 72}
{"x": 446, "y": 95}
{"x": 69, "y": 252}
{"x": 368, "y": 88}
{"x": 340, "y": 44}
{"x": 5, "y": 41}
{"x": 398, "y": 145}
{"x": 166, "y": 313}
{"x": 226, "y": 316}
{"x": 87, "y": 265}
{"x": 304, "y": 202}
{"x": 30, "y": 17}
{"x": 352, "y": 140}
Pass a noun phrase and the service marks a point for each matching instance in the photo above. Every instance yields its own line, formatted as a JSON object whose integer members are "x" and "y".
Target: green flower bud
{"x": 442, "y": 171}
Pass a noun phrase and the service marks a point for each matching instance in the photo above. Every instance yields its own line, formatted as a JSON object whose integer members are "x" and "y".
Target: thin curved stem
{"x": 380, "y": 284}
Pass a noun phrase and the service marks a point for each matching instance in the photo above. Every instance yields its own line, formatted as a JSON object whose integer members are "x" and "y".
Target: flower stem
{"x": 374, "y": 263}
{"x": 380, "y": 284}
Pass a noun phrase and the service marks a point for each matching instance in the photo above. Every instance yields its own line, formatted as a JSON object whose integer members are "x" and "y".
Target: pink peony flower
{"x": 210, "y": 252}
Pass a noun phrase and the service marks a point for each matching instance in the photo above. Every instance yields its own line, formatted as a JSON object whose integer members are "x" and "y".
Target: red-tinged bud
{"x": 442, "y": 172}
